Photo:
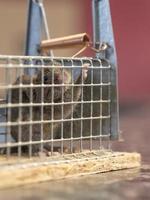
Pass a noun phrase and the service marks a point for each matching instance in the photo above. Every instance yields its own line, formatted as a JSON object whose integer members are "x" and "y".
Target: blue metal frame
{"x": 34, "y": 31}
{"x": 103, "y": 32}
{"x": 102, "y": 28}
{"x": 34, "y": 25}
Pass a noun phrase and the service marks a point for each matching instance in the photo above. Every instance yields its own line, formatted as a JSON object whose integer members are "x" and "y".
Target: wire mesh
{"x": 54, "y": 105}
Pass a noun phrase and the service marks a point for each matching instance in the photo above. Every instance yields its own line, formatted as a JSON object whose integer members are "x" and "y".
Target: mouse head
{"x": 53, "y": 76}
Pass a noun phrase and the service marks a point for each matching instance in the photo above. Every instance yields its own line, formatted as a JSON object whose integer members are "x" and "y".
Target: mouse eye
{"x": 45, "y": 79}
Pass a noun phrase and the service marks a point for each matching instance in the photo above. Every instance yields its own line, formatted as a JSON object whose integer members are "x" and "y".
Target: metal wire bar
{"x": 48, "y": 104}
{"x": 91, "y": 114}
{"x": 53, "y": 85}
{"x": 62, "y": 114}
{"x": 3, "y": 145}
{"x": 20, "y": 109}
{"x": 42, "y": 110}
{"x": 52, "y": 115}
{"x": 81, "y": 129}
{"x": 5, "y": 58}
{"x": 101, "y": 110}
{"x": 8, "y": 134}
{"x": 71, "y": 123}
{"x": 48, "y": 121}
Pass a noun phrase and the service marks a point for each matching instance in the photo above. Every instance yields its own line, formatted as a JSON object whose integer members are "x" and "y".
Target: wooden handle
{"x": 81, "y": 39}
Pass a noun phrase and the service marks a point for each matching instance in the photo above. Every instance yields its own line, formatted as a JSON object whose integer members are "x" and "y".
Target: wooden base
{"x": 15, "y": 172}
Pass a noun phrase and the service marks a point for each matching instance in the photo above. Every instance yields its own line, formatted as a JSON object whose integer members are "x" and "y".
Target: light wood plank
{"x": 14, "y": 172}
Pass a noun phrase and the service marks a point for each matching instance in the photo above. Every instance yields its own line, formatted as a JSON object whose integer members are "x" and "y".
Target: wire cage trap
{"x": 63, "y": 108}
{"x": 67, "y": 103}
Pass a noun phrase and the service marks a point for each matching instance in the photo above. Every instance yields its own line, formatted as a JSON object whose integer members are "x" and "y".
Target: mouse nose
{"x": 57, "y": 78}
{"x": 45, "y": 79}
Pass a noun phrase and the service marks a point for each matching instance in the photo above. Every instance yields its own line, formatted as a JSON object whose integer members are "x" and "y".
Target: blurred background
{"x": 131, "y": 29}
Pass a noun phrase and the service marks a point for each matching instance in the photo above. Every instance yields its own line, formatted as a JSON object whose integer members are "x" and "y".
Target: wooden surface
{"x": 16, "y": 172}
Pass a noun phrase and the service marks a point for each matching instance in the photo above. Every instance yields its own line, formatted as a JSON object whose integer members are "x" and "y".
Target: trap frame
{"x": 90, "y": 126}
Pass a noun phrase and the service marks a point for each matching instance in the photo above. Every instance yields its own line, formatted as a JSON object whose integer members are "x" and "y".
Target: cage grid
{"x": 61, "y": 111}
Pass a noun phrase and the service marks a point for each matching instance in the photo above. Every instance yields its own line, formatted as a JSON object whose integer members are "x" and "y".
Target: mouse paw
{"x": 85, "y": 70}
